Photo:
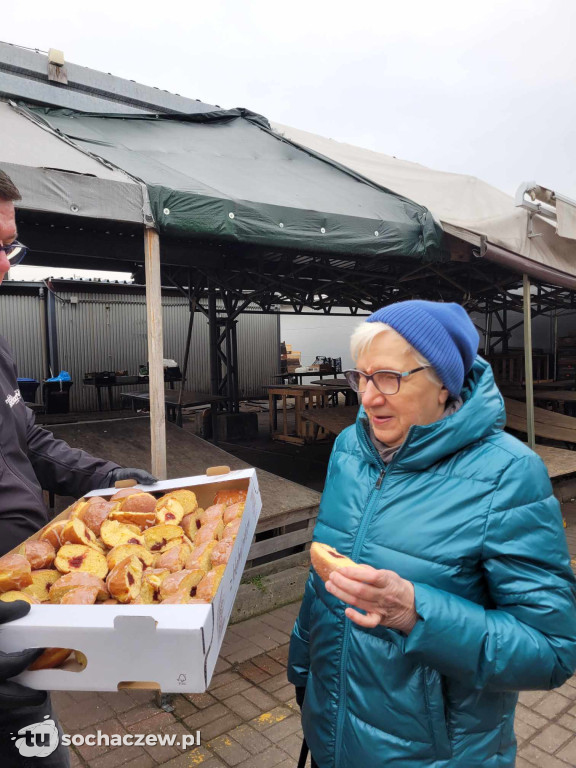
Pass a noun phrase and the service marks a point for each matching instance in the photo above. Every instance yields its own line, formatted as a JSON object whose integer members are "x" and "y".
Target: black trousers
{"x": 39, "y": 747}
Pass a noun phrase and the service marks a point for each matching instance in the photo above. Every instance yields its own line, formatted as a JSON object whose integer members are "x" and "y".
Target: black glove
{"x": 300, "y": 693}
{"x": 14, "y": 695}
{"x": 122, "y": 473}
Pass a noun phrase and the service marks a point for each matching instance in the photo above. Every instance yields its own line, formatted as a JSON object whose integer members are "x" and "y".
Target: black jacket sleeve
{"x": 60, "y": 468}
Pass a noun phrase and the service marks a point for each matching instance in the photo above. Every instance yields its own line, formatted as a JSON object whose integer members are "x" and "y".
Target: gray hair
{"x": 365, "y": 333}
{"x": 8, "y": 190}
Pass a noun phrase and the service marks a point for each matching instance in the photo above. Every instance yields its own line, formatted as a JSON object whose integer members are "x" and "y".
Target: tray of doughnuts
{"x": 177, "y": 548}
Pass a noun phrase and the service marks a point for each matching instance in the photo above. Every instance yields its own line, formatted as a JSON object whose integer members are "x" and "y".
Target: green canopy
{"x": 226, "y": 176}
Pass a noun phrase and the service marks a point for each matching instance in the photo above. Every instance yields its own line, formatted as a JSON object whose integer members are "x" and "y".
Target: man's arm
{"x": 60, "y": 468}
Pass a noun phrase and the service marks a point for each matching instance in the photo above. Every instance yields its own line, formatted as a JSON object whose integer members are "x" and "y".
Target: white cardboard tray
{"x": 171, "y": 647}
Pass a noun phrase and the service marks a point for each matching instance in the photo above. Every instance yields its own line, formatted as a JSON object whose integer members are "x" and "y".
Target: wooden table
{"x": 351, "y": 397}
{"x": 174, "y": 407}
{"x": 306, "y": 397}
{"x": 304, "y": 375}
{"x": 120, "y": 381}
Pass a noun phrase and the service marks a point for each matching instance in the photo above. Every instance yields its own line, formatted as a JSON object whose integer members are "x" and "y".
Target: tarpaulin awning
{"x": 54, "y": 176}
{"x": 465, "y": 206}
{"x": 226, "y": 176}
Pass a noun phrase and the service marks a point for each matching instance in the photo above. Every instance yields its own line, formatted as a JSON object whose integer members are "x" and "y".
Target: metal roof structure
{"x": 25, "y": 74}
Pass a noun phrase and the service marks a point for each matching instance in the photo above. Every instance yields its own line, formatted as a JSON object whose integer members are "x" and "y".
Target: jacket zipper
{"x": 347, "y": 623}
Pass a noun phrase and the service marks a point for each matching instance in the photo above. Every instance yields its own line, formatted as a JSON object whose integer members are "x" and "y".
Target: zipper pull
{"x": 380, "y": 478}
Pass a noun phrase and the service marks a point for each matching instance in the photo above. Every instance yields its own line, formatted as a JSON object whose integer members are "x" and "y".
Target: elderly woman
{"x": 467, "y": 595}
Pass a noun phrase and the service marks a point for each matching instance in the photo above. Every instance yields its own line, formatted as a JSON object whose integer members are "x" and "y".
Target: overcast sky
{"x": 483, "y": 88}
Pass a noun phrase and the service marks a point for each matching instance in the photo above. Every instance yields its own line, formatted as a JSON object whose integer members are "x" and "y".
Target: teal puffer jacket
{"x": 466, "y": 513}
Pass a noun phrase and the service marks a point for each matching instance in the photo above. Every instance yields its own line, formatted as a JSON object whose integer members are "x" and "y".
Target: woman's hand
{"x": 386, "y": 597}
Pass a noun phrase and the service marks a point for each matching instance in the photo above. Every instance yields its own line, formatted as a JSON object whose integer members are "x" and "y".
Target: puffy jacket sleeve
{"x": 299, "y": 655}
{"x": 527, "y": 638}
{"x": 60, "y": 468}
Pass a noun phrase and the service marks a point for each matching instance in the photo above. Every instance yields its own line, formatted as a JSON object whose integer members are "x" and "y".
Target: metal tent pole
{"x": 528, "y": 362}
{"x": 488, "y": 330}
{"x": 555, "y": 370}
{"x": 213, "y": 335}
{"x": 155, "y": 352}
{"x": 192, "y": 310}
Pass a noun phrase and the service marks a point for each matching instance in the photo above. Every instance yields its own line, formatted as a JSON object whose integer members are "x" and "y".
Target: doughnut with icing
{"x": 326, "y": 559}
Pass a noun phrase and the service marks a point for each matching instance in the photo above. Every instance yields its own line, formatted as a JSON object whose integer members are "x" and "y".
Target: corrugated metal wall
{"x": 22, "y": 323}
{"x": 107, "y": 331}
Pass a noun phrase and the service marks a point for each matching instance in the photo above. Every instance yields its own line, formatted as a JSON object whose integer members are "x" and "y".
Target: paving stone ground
{"x": 249, "y": 717}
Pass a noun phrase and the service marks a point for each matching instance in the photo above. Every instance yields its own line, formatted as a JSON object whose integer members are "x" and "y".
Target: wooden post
{"x": 155, "y": 353}
{"x": 529, "y": 379}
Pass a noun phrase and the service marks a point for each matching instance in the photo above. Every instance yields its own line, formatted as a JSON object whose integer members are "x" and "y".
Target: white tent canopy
{"x": 466, "y": 207}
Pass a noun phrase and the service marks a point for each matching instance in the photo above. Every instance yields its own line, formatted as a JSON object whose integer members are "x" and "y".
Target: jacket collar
{"x": 481, "y": 414}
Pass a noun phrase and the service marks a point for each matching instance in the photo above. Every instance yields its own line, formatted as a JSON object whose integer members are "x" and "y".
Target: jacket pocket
{"x": 437, "y": 712}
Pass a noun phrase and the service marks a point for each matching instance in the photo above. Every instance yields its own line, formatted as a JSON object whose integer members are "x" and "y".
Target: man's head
{"x": 9, "y": 194}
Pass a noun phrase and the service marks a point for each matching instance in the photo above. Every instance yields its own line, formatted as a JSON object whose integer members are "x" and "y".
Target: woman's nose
{"x": 371, "y": 395}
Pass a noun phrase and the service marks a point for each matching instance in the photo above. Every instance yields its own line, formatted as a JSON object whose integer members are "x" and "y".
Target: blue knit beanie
{"x": 442, "y": 333}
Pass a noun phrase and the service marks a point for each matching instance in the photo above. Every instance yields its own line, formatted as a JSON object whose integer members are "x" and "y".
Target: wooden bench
{"x": 548, "y": 424}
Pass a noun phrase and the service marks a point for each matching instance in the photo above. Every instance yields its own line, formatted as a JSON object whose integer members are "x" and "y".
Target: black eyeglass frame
{"x": 19, "y": 256}
{"x": 370, "y": 377}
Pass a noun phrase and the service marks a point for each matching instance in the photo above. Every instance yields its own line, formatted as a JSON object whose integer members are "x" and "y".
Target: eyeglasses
{"x": 15, "y": 252}
{"x": 386, "y": 382}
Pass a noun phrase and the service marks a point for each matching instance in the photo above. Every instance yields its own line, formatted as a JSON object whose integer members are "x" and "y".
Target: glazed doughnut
{"x": 326, "y": 559}
{"x": 40, "y": 554}
{"x": 221, "y": 552}
{"x": 233, "y": 511}
{"x": 230, "y": 497}
{"x": 52, "y": 657}
{"x": 12, "y": 595}
{"x": 208, "y": 587}
{"x": 212, "y": 514}
{"x": 77, "y": 580}
{"x": 80, "y": 596}
{"x": 42, "y": 582}
{"x": 78, "y": 557}
{"x": 15, "y": 572}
